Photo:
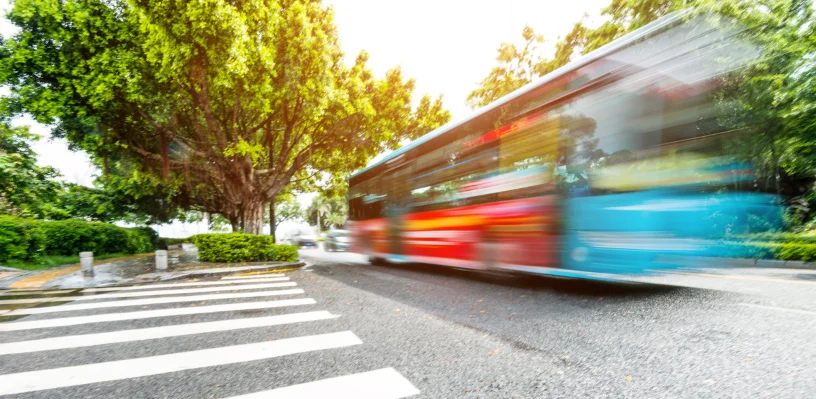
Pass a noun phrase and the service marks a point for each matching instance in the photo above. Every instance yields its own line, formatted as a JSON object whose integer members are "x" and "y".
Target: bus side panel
{"x": 370, "y": 237}
{"x": 518, "y": 232}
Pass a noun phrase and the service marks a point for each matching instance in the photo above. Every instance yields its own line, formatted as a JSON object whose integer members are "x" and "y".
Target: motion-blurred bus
{"x": 616, "y": 163}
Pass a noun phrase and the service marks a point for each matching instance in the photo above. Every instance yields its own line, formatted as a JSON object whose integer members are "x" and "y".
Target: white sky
{"x": 448, "y": 46}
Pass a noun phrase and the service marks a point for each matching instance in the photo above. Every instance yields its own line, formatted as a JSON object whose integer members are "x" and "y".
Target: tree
{"x": 516, "y": 67}
{"x": 26, "y": 189}
{"x": 286, "y": 208}
{"x": 226, "y": 103}
{"x": 325, "y": 212}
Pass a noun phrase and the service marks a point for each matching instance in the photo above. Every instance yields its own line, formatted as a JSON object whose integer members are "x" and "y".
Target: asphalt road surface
{"x": 341, "y": 328}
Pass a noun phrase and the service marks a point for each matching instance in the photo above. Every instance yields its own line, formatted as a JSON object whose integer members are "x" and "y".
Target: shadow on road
{"x": 435, "y": 274}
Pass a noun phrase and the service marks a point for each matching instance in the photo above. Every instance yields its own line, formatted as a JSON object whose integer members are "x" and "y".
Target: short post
{"x": 161, "y": 260}
{"x": 86, "y": 261}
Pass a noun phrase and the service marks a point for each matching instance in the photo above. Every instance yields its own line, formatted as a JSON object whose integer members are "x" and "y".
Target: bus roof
{"x": 609, "y": 48}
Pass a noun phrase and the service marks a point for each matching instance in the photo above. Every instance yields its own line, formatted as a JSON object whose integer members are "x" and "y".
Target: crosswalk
{"x": 61, "y": 325}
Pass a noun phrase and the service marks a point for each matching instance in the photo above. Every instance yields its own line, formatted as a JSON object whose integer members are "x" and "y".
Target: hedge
{"x": 797, "y": 251}
{"x": 781, "y": 237}
{"x": 785, "y": 246}
{"x": 20, "y": 239}
{"x": 26, "y": 240}
{"x": 238, "y": 247}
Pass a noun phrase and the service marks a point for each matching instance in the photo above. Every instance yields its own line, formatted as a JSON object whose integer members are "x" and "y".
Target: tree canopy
{"x": 221, "y": 104}
{"x": 26, "y": 189}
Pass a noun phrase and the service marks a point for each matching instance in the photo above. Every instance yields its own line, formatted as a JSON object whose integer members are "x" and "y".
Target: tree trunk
{"x": 272, "y": 224}
{"x": 253, "y": 215}
{"x": 234, "y": 224}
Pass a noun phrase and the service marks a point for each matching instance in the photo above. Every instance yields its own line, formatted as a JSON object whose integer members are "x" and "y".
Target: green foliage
{"x": 68, "y": 237}
{"x": 326, "y": 212}
{"x": 28, "y": 240}
{"x": 782, "y": 237}
{"x": 223, "y": 104}
{"x": 238, "y": 247}
{"x": 798, "y": 251}
{"x": 20, "y": 239}
{"x": 785, "y": 246}
{"x": 26, "y": 189}
{"x": 287, "y": 208}
{"x": 516, "y": 67}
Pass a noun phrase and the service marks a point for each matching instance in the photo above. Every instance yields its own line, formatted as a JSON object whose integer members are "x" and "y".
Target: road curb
{"x": 774, "y": 264}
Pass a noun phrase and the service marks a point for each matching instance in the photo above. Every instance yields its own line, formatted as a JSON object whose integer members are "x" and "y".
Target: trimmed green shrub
{"x": 26, "y": 240}
{"x": 781, "y": 237}
{"x": 797, "y": 251}
{"x": 238, "y": 247}
{"x": 285, "y": 253}
{"x": 20, "y": 239}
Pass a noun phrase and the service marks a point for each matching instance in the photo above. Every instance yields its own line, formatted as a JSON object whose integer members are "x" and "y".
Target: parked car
{"x": 338, "y": 240}
{"x": 302, "y": 237}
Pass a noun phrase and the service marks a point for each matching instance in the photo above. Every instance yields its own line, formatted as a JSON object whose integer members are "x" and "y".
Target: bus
{"x": 615, "y": 164}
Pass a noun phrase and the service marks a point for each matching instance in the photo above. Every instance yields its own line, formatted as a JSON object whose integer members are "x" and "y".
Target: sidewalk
{"x": 132, "y": 270}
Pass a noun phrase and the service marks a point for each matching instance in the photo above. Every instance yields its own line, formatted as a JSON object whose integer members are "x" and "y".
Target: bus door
{"x": 396, "y": 206}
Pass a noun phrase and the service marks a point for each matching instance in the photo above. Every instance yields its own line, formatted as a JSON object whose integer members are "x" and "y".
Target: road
{"x": 340, "y": 328}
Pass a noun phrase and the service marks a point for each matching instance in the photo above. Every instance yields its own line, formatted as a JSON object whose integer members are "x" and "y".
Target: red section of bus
{"x": 515, "y": 232}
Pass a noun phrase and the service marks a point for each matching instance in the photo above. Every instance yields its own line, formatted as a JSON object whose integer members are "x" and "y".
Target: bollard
{"x": 86, "y": 260}
{"x": 161, "y": 260}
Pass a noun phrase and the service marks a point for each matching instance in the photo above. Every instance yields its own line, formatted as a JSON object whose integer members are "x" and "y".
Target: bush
{"x": 152, "y": 235}
{"x": 238, "y": 247}
{"x": 781, "y": 237}
{"x": 20, "y": 239}
{"x": 27, "y": 240}
{"x": 798, "y": 251}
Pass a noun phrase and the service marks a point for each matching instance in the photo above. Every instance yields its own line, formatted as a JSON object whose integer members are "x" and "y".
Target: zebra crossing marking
{"x": 174, "y": 285}
{"x": 146, "y": 293}
{"x": 247, "y": 277}
{"x": 378, "y": 384}
{"x": 140, "y": 367}
{"x": 149, "y": 314}
{"x": 151, "y": 301}
{"x": 141, "y": 334}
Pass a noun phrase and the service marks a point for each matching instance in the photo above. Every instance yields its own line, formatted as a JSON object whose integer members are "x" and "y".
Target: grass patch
{"x": 49, "y": 261}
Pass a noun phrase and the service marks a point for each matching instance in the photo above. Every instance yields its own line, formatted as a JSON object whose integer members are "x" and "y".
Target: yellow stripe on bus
{"x": 453, "y": 221}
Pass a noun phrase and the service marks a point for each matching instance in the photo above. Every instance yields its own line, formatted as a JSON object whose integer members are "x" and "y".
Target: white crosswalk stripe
{"x": 147, "y": 293}
{"x": 384, "y": 383}
{"x": 247, "y": 277}
{"x": 76, "y": 341}
{"x": 178, "y": 285}
{"x": 149, "y": 314}
{"x": 141, "y": 367}
{"x": 150, "y": 301}
{"x": 377, "y": 384}
{"x": 32, "y": 293}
